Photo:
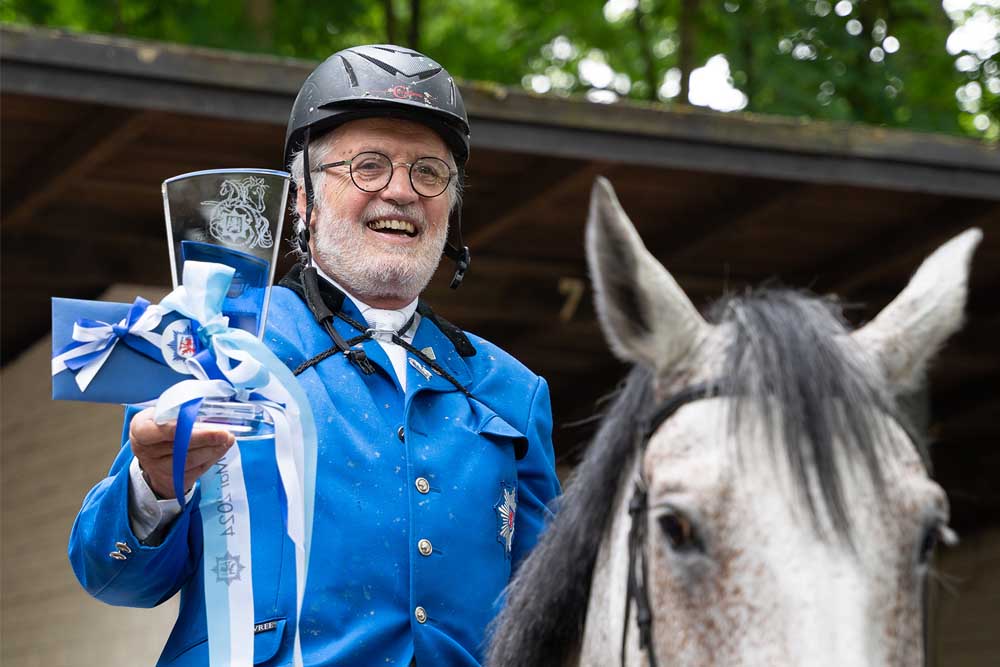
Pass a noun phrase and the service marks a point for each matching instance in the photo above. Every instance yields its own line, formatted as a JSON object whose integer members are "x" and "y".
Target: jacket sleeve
{"x": 537, "y": 484}
{"x": 109, "y": 560}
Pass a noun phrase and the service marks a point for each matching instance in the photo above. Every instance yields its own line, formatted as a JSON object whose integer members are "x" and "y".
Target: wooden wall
{"x": 966, "y": 612}
{"x": 53, "y": 452}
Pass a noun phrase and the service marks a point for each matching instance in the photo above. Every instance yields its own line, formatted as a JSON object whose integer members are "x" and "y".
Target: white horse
{"x": 784, "y": 514}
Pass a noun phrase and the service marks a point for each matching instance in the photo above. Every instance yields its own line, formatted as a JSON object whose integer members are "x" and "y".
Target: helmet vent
{"x": 426, "y": 74}
{"x": 412, "y": 54}
{"x": 350, "y": 72}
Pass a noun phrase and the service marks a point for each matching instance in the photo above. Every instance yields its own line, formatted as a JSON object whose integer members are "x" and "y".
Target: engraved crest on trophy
{"x": 238, "y": 218}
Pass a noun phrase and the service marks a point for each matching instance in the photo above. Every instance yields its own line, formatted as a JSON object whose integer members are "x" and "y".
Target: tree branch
{"x": 390, "y": 22}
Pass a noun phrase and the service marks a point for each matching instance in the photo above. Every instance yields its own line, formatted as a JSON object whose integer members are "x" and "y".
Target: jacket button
{"x": 401, "y": 434}
{"x": 421, "y": 614}
{"x": 423, "y": 486}
{"x": 425, "y": 547}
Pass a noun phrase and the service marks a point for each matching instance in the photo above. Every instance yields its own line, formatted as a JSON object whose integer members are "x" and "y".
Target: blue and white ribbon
{"x": 225, "y": 522}
{"x": 94, "y": 341}
{"x": 234, "y": 365}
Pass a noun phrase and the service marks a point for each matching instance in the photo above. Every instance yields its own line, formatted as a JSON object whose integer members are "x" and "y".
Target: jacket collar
{"x": 448, "y": 344}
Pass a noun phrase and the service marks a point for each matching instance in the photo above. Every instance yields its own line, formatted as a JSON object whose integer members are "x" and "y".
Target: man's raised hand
{"x": 153, "y": 445}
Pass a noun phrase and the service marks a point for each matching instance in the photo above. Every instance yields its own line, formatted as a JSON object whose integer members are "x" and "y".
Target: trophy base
{"x": 246, "y": 422}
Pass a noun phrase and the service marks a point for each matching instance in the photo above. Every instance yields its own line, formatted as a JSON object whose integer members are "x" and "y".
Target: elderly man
{"x": 435, "y": 457}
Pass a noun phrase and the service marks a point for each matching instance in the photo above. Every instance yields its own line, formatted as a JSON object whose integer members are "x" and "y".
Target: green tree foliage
{"x": 886, "y": 62}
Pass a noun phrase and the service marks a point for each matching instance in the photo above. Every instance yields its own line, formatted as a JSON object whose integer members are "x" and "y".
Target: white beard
{"x": 369, "y": 269}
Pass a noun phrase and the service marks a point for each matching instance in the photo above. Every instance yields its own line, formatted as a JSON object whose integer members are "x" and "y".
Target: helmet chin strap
{"x": 303, "y": 236}
{"x": 310, "y": 281}
{"x": 455, "y": 249}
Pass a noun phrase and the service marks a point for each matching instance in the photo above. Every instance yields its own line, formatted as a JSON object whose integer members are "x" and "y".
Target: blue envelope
{"x": 127, "y": 376}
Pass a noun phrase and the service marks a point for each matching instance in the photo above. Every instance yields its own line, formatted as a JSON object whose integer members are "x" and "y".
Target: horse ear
{"x": 645, "y": 315}
{"x": 908, "y": 332}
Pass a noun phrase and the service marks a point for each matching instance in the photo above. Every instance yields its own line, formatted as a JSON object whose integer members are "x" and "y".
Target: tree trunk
{"x": 748, "y": 32}
{"x": 649, "y": 61}
{"x": 414, "y": 42}
{"x": 686, "y": 32}
{"x": 119, "y": 26}
{"x": 261, "y": 15}
{"x": 390, "y": 22}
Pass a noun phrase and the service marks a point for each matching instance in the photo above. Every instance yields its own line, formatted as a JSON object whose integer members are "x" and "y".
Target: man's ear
{"x": 300, "y": 203}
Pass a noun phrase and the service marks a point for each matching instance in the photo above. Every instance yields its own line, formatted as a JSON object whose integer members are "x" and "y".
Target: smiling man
{"x": 387, "y": 259}
{"x": 435, "y": 457}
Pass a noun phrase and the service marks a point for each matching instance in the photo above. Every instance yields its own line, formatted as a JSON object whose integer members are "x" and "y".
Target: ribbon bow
{"x": 94, "y": 341}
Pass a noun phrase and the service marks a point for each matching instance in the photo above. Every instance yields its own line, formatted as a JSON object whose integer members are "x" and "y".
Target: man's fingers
{"x": 201, "y": 459}
{"x": 145, "y": 433}
{"x": 143, "y": 430}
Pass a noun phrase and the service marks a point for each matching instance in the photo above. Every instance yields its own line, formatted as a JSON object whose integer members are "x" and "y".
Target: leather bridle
{"x": 638, "y": 507}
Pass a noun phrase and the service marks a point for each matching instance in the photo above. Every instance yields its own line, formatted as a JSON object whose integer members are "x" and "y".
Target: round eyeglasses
{"x": 372, "y": 172}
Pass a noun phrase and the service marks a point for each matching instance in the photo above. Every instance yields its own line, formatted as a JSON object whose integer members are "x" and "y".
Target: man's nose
{"x": 400, "y": 191}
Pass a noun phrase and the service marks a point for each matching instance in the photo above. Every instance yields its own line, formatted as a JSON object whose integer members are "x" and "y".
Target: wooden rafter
{"x": 579, "y": 179}
{"x": 89, "y": 146}
{"x": 879, "y": 254}
{"x": 759, "y": 205}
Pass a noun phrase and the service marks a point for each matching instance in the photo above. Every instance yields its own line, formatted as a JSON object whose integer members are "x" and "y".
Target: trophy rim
{"x": 229, "y": 170}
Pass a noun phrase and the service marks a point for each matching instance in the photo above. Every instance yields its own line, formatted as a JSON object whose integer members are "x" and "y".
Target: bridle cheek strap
{"x": 637, "y": 591}
{"x": 638, "y": 573}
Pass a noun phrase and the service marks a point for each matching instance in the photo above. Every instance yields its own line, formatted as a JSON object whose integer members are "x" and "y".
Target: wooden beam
{"x": 62, "y": 261}
{"x": 879, "y": 254}
{"x": 93, "y": 143}
{"x": 761, "y": 205}
{"x": 523, "y": 212}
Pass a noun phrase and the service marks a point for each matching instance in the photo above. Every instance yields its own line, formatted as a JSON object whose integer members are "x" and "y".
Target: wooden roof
{"x": 92, "y": 125}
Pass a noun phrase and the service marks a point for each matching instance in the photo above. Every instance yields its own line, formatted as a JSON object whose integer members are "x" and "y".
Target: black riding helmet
{"x": 382, "y": 81}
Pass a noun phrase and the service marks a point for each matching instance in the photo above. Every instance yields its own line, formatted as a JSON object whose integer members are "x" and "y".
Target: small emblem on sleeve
{"x": 506, "y": 509}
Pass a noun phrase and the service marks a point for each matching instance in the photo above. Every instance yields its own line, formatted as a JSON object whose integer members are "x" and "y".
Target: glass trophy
{"x": 231, "y": 217}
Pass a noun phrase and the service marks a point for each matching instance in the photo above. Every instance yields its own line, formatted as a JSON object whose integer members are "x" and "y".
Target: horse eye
{"x": 679, "y": 532}
{"x": 934, "y": 535}
{"x": 928, "y": 545}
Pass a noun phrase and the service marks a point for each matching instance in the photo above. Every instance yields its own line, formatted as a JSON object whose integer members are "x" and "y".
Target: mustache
{"x": 383, "y": 210}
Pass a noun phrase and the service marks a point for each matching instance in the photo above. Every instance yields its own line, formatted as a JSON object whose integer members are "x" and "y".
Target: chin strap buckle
{"x": 461, "y": 266}
{"x": 360, "y": 359}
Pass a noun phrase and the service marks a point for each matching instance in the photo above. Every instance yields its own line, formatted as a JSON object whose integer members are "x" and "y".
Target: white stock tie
{"x": 385, "y": 323}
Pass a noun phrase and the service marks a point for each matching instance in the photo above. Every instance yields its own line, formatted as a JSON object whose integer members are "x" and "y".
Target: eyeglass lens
{"x": 371, "y": 172}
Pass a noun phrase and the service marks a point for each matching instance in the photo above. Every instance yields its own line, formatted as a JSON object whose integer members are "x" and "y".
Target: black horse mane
{"x": 787, "y": 348}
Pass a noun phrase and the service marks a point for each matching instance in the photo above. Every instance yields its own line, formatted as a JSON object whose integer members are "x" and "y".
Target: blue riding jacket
{"x": 429, "y": 467}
